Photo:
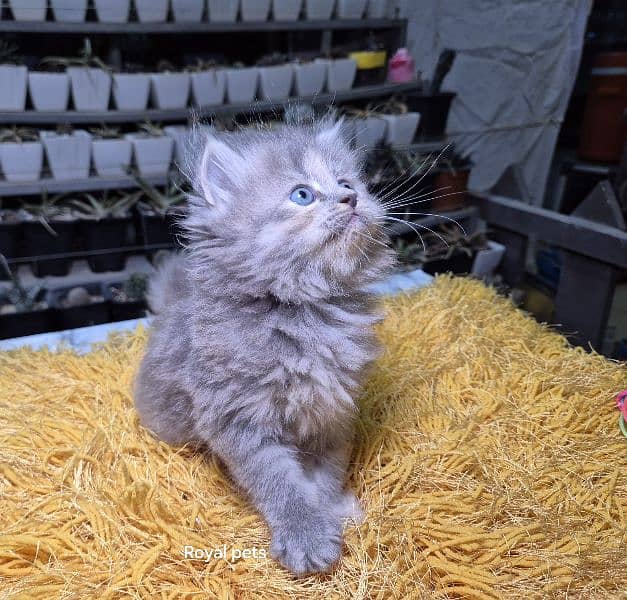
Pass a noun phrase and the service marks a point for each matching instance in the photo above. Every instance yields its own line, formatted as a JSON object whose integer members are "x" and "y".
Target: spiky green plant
{"x": 95, "y": 209}
{"x": 23, "y": 297}
{"x": 160, "y": 202}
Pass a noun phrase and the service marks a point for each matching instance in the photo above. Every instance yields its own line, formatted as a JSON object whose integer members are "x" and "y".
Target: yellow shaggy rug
{"x": 488, "y": 458}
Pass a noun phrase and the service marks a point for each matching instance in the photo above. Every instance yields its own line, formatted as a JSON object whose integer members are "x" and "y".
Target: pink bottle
{"x": 401, "y": 67}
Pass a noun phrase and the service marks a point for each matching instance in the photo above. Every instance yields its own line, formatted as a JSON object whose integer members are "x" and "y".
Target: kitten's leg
{"x": 306, "y": 537}
{"x": 327, "y": 470}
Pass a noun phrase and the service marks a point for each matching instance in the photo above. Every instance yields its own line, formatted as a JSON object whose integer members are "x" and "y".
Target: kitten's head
{"x": 286, "y": 212}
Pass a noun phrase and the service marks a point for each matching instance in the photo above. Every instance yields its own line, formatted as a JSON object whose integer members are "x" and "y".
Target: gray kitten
{"x": 264, "y": 327}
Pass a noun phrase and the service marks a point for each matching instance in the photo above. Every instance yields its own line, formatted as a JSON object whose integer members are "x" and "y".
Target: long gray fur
{"x": 263, "y": 331}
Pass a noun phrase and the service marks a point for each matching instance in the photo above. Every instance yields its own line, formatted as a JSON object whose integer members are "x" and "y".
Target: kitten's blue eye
{"x": 345, "y": 184}
{"x": 302, "y": 195}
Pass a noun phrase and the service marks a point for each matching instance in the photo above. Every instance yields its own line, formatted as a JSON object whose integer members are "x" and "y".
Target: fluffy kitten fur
{"x": 264, "y": 328}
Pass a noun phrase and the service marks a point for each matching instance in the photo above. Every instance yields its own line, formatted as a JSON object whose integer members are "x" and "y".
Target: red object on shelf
{"x": 401, "y": 68}
{"x": 604, "y": 129}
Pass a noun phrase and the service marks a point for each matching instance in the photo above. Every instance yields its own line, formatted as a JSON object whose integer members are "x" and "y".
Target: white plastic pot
{"x": 153, "y": 155}
{"x": 69, "y": 155}
{"x": 286, "y": 10}
{"x": 401, "y": 129}
{"x": 181, "y": 136}
{"x": 13, "y": 87}
{"x": 377, "y": 9}
{"x": 369, "y": 132}
{"x": 188, "y": 11}
{"x": 350, "y": 9}
{"x": 309, "y": 78}
{"x": 113, "y": 11}
{"x": 112, "y": 158}
{"x": 223, "y": 11}
{"x": 275, "y": 83}
{"x": 255, "y": 10}
{"x": 69, "y": 11}
{"x": 91, "y": 88}
{"x": 21, "y": 161}
{"x": 241, "y": 84}
{"x": 49, "y": 91}
{"x": 319, "y": 10}
{"x": 131, "y": 90}
{"x": 486, "y": 261}
{"x": 341, "y": 74}
{"x": 151, "y": 11}
{"x": 208, "y": 87}
{"x": 33, "y": 10}
{"x": 170, "y": 90}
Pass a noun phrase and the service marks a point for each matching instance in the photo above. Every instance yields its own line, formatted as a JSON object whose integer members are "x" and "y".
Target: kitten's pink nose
{"x": 350, "y": 199}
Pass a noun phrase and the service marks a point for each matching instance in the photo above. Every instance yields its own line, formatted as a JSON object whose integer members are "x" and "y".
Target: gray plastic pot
{"x": 69, "y": 11}
{"x": 151, "y": 11}
{"x": 112, "y": 158}
{"x": 275, "y": 83}
{"x": 91, "y": 88}
{"x": 49, "y": 91}
{"x": 170, "y": 90}
{"x": 13, "y": 80}
{"x": 350, "y": 9}
{"x": 21, "y": 161}
{"x": 401, "y": 129}
{"x": 369, "y": 132}
{"x": 340, "y": 74}
{"x": 33, "y": 10}
{"x": 153, "y": 155}
{"x": 309, "y": 78}
{"x": 208, "y": 87}
{"x": 319, "y": 10}
{"x": 69, "y": 155}
{"x": 255, "y": 10}
{"x": 188, "y": 11}
{"x": 241, "y": 84}
{"x": 181, "y": 136}
{"x": 286, "y": 10}
{"x": 223, "y": 11}
{"x": 112, "y": 11}
{"x": 131, "y": 90}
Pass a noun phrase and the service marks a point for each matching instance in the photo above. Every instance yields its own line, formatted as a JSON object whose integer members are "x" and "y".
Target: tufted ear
{"x": 219, "y": 169}
{"x": 331, "y": 133}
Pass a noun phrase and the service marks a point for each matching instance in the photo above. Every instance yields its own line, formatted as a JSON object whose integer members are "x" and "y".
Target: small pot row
{"x": 105, "y": 307}
{"x": 103, "y": 240}
{"x": 394, "y": 130}
{"x": 194, "y": 11}
{"x": 92, "y": 88}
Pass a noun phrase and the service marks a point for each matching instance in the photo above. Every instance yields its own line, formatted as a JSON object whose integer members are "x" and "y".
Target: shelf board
{"x": 53, "y": 27}
{"x": 33, "y": 117}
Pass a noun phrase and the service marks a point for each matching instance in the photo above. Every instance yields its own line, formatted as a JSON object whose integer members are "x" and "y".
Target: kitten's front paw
{"x": 309, "y": 547}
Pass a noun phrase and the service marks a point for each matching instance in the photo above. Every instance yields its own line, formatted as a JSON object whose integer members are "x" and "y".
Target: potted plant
{"x": 340, "y": 73}
{"x": 309, "y": 77}
{"x": 159, "y": 214}
{"x": 128, "y": 298}
{"x": 33, "y": 10}
{"x": 131, "y": 89}
{"x": 11, "y": 235}
{"x": 68, "y": 152}
{"x": 208, "y": 84}
{"x": 188, "y": 11}
{"x": 241, "y": 83}
{"x": 452, "y": 178}
{"x": 78, "y": 306}
{"x": 454, "y": 252}
{"x": 13, "y": 76}
{"x": 112, "y": 11}
{"x": 275, "y": 77}
{"x": 319, "y": 10}
{"x": 223, "y": 11}
{"x": 350, "y": 9}
{"x": 369, "y": 130}
{"x": 112, "y": 153}
{"x": 181, "y": 135}
{"x": 170, "y": 88}
{"x": 23, "y": 310}
{"x": 401, "y": 128}
{"x": 90, "y": 79}
{"x": 152, "y": 149}
{"x": 49, "y": 87}
{"x": 286, "y": 10}
{"x": 151, "y": 11}
{"x": 69, "y": 11}
{"x": 255, "y": 10}
{"x": 107, "y": 226}
{"x": 21, "y": 154}
{"x": 49, "y": 228}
